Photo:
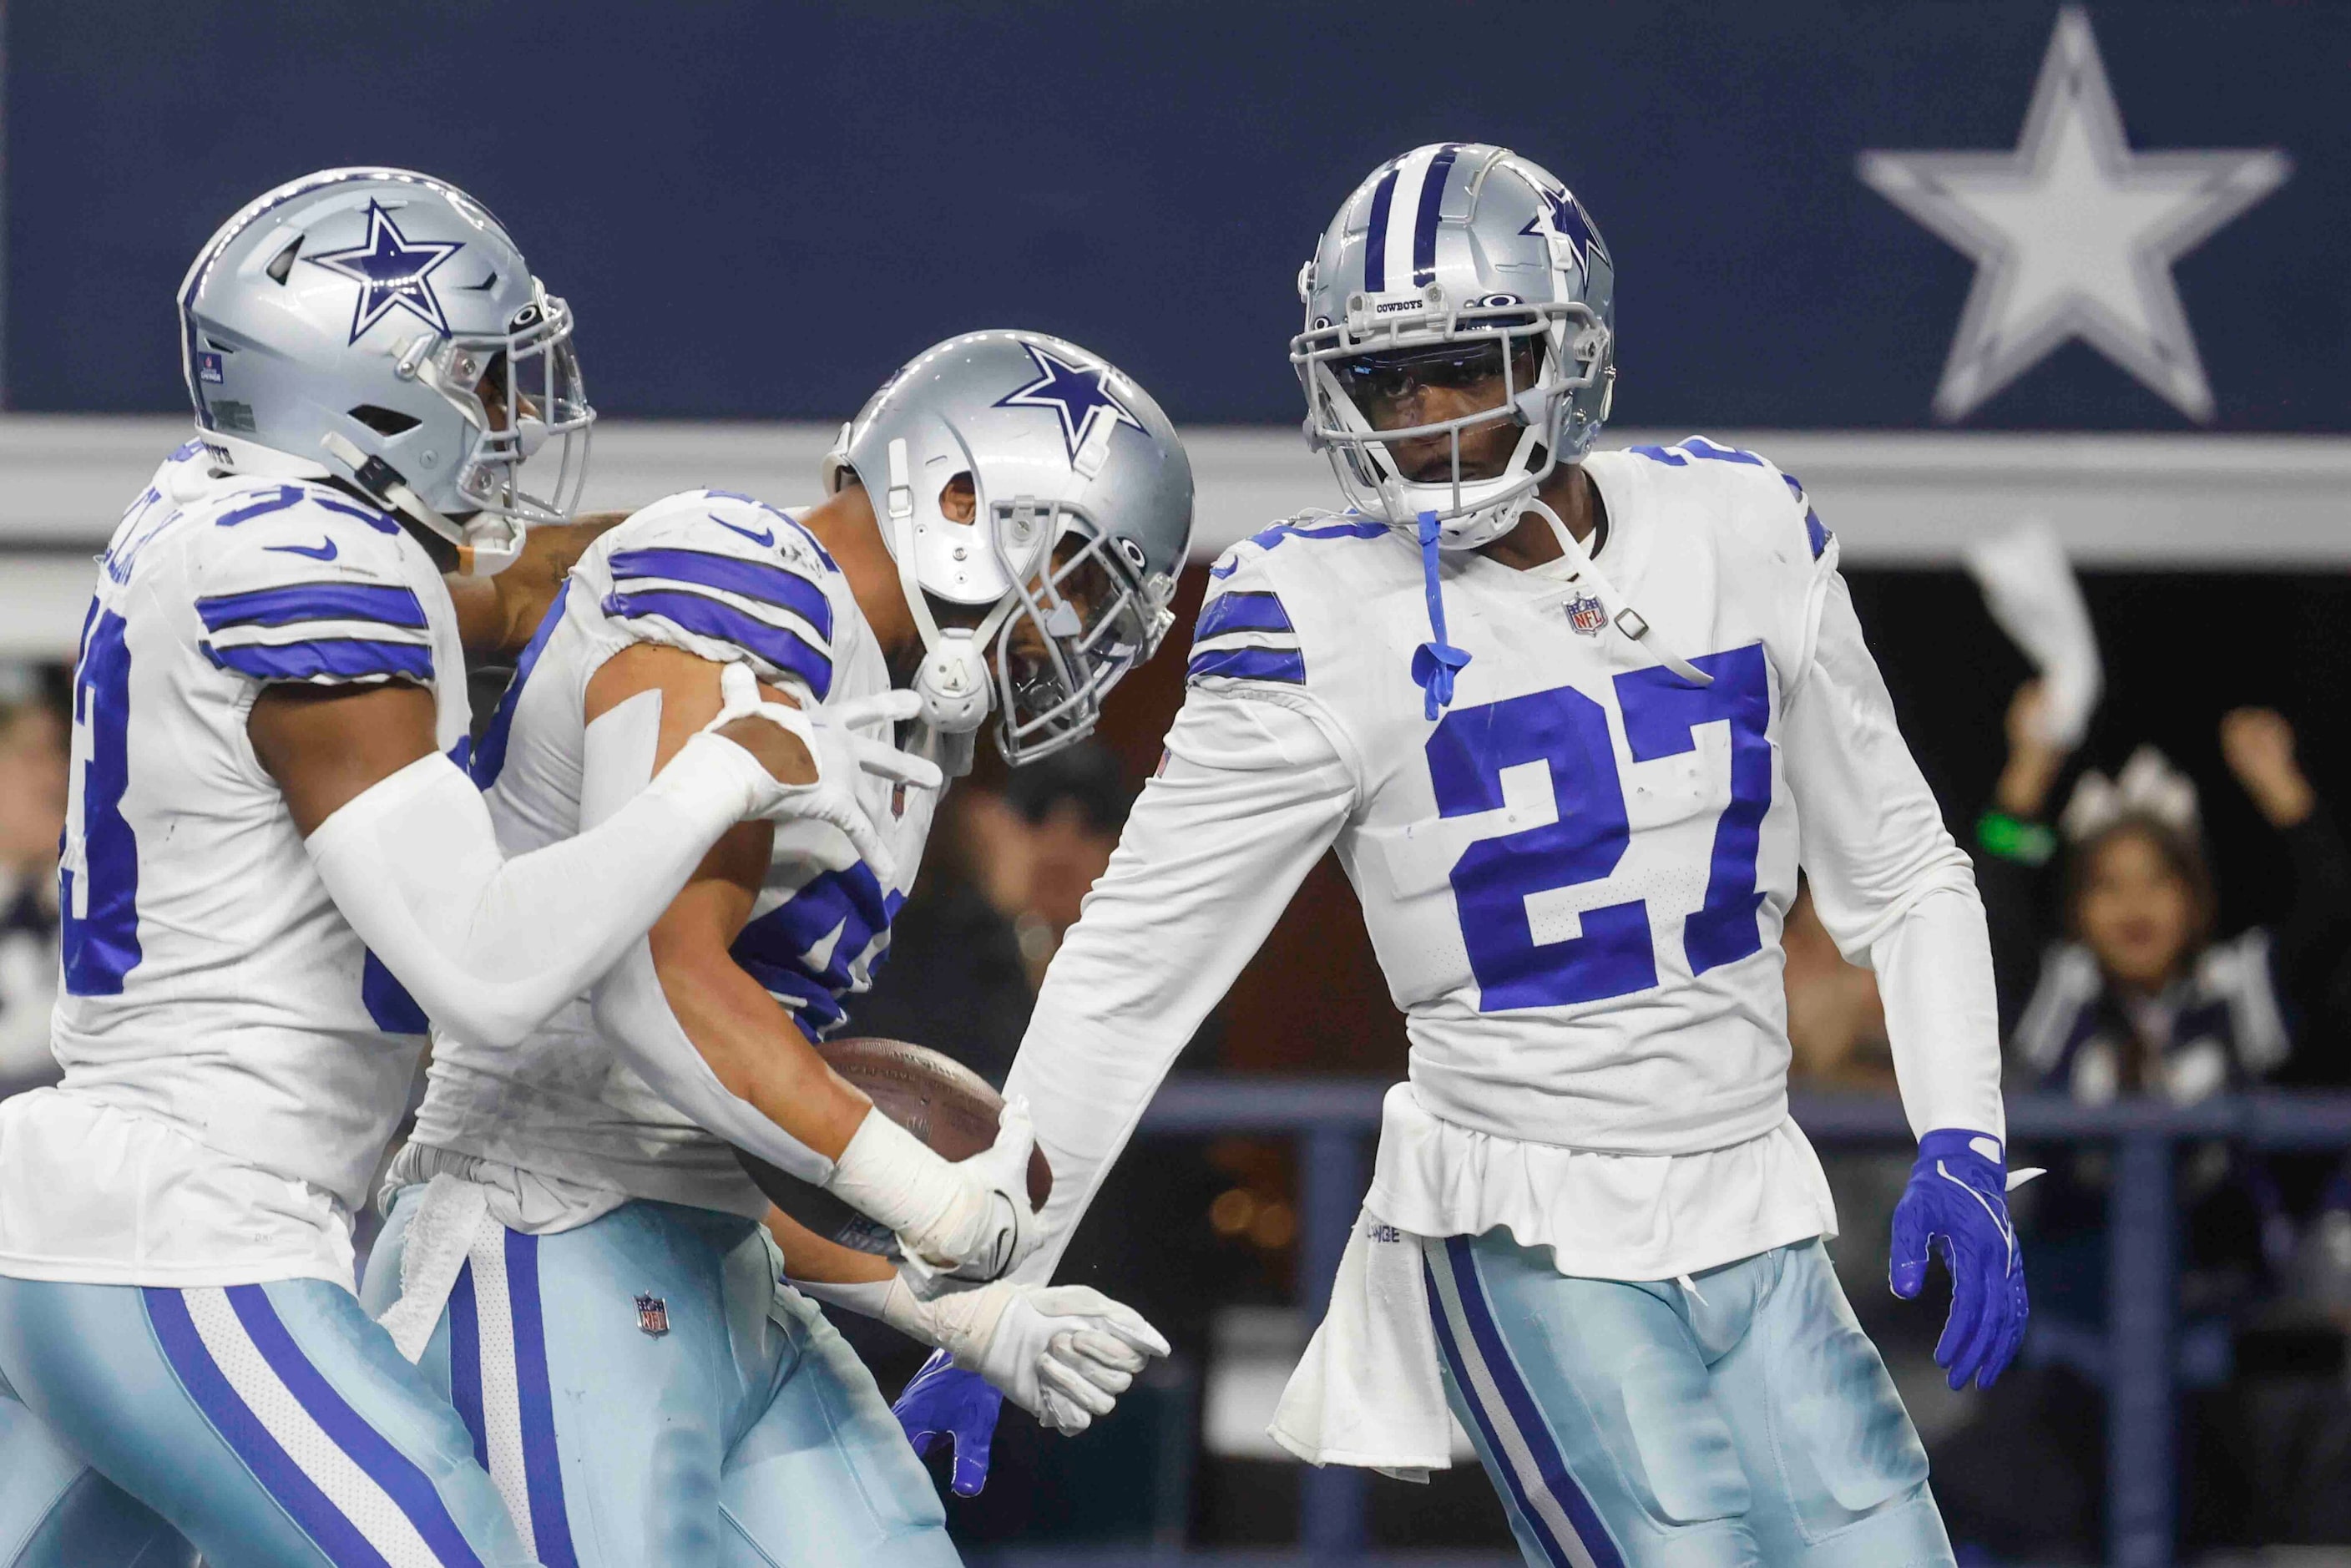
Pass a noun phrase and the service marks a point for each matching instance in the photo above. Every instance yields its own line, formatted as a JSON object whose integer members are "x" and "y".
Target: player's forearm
{"x": 491, "y": 946}
{"x": 753, "y": 1048}
{"x": 811, "y": 1260}
{"x": 1942, "y": 1014}
{"x": 496, "y": 617}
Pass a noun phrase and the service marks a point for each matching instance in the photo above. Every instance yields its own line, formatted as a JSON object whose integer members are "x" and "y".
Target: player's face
{"x": 1414, "y": 387}
{"x": 2136, "y": 912}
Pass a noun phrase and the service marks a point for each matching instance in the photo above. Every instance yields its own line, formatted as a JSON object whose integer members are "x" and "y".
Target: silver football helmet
{"x": 1079, "y": 517}
{"x": 1457, "y": 261}
{"x": 379, "y": 327}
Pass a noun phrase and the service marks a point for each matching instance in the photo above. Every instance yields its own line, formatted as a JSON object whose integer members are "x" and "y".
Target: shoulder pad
{"x": 299, "y": 582}
{"x": 1315, "y": 524}
{"x": 723, "y": 577}
{"x": 1745, "y": 471}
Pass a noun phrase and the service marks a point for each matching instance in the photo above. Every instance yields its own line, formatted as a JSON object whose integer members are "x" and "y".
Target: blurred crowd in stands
{"x": 2115, "y": 979}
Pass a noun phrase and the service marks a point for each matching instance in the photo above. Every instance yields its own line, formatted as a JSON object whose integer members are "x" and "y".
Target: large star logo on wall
{"x": 1074, "y": 391}
{"x": 2074, "y": 235}
{"x": 393, "y": 272}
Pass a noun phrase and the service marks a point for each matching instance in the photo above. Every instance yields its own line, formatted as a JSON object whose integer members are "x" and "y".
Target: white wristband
{"x": 888, "y": 1174}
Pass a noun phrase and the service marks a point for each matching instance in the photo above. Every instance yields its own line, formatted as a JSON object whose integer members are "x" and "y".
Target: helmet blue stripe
{"x": 1423, "y": 228}
{"x": 1375, "y": 234}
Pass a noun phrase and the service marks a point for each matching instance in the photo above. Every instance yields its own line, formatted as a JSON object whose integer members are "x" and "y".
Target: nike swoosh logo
{"x": 763, "y": 538}
{"x": 316, "y": 552}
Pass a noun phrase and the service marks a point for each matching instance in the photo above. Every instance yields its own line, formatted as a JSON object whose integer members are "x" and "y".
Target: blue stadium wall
{"x": 758, "y": 209}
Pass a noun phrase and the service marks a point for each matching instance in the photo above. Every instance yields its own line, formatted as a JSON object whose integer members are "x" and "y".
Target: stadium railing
{"x": 1335, "y": 1121}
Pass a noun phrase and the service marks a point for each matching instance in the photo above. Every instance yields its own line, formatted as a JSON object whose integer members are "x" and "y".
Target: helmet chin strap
{"x": 1588, "y": 578}
{"x": 486, "y": 546}
{"x": 952, "y": 679}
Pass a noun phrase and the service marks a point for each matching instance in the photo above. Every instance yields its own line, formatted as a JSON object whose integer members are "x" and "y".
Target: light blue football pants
{"x": 267, "y": 1425}
{"x": 640, "y": 1397}
{"x": 1746, "y": 1422}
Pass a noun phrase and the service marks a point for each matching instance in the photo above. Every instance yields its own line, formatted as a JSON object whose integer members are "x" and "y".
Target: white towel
{"x": 441, "y": 1234}
{"x": 2031, "y": 590}
{"x": 1368, "y": 1391}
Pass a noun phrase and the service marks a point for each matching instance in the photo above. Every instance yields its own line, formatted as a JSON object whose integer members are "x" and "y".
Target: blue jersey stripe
{"x": 1250, "y": 665}
{"x": 732, "y": 574}
{"x": 408, "y": 1486}
{"x": 226, "y": 1411}
{"x": 1432, "y": 201}
{"x": 1375, "y": 234}
{"x": 345, "y": 658}
{"x": 490, "y": 760}
{"x": 1242, "y": 611}
{"x": 1816, "y": 531}
{"x": 714, "y": 618}
{"x": 292, "y": 602}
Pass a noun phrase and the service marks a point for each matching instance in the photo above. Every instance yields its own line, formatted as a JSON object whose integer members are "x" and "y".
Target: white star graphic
{"x": 2074, "y": 235}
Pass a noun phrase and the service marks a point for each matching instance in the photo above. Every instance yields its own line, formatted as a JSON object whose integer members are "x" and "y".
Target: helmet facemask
{"x": 520, "y": 390}
{"x": 1069, "y": 633}
{"x": 1351, "y": 369}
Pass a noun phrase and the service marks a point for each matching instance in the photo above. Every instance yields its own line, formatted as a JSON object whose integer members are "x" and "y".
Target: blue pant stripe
{"x": 408, "y": 1486}
{"x": 1522, "y": 1410}
{"x": 542, "y": 1464}
{"x": 308, "y": 1507}
{"x": 465, "y": 1363}
{"x": 1552, "y": 1550}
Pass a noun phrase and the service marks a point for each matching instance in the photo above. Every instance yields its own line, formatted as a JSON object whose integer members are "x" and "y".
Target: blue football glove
{"x": 1957, "y": 1205}
{"x": 942, "y": 1402}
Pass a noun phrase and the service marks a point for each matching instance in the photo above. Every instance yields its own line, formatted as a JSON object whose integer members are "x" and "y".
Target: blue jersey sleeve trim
{"x": 731, "y": 574}
{"x": 491, "y": 760}
{"x": 1250, "y": 665}
{"x": 1242, "y": 611}
{"x": 724, "y": 622}
{"x": 332, "y": 658}
{"x": 294, "y": 601}
{"x": 1816, "y": 532}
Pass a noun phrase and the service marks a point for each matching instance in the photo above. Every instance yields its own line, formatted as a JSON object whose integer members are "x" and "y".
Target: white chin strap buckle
{"x": 953, "y": 683}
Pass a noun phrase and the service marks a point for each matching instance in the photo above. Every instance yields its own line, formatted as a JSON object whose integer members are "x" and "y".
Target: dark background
{"x": 758, "y": 209}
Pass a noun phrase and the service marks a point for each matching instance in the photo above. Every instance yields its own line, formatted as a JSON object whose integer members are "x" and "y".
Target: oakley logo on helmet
{"x": 1077, "y": 394}
{"x": 393, "y": 271}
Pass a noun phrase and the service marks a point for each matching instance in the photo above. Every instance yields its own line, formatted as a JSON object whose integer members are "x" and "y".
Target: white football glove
{"x": 962, "y": 1219}
{"x": 1062, "y": 1353}
{"x": 841, "y": 755}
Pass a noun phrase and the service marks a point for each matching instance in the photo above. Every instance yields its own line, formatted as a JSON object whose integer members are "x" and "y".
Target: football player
{"x": 574, "y": 1250}
{"x": 1573, "y": 720}
{"x": 276, "y": 867}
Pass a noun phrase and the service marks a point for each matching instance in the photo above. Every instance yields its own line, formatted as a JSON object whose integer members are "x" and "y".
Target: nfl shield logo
{"x": 1585, "y": 614}
{"x": 652, "y": 1316}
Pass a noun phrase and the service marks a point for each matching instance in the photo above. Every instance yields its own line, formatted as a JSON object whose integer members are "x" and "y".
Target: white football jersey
{"x": 729, "y": 579}
{"x": 1574, "y": 874}
{"x": 209, "y": 982}
{"x": 1576, "y": 879}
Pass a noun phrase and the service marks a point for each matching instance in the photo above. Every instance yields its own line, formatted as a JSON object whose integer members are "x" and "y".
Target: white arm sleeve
{"x": 490, "y": 947}
{"x": 1252, "y": 791}
{"x": 1891, "y": 886}
{"x": 632, "y": 1010}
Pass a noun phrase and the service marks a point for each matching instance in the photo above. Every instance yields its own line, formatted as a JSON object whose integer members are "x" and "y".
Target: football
{"x": 944, "y": 1104}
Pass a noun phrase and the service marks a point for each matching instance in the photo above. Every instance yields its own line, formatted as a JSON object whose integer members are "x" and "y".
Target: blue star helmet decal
{"x": 1076, "y": 392}
{"x": 393, "y": 271}
{"x": 1567, "y": 221}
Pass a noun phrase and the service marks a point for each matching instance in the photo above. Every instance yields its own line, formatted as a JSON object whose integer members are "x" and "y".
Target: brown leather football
{"x": 942, "y": 1103}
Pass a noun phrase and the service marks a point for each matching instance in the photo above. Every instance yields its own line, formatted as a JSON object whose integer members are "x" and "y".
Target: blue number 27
{"x": 1612, "y": 956}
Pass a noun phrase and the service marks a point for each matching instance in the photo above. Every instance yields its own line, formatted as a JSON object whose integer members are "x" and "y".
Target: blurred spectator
{"x": 33, "y": 762}
{"x": 2136, "y": 993}
{"x": 1836, "y": 1024}
{"x": 2120, "y": 983}
{"x": 1010, "y": 870}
